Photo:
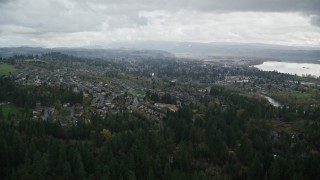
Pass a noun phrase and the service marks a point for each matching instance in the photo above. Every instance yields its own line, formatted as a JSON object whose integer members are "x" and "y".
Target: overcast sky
{"x": 74, "y": 23}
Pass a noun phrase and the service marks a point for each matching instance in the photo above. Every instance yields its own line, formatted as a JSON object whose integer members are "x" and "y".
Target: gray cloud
{"x": 308, "y": 6}
{"x": 305, "y": 6}
{"x": 2, "y": 2}
{"x": 79, "y": 15}
{"x": 315, "y": 20}
{"x": 38, "y": 19}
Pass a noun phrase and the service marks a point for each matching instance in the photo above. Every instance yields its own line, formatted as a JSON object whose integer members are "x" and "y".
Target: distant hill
{"x": 284, "y": 53}
{"x": 116, "y": 53}
{"x": 89, "y": 53}
{"x": 10, "y": 51}
{"x": 163, "y": 50}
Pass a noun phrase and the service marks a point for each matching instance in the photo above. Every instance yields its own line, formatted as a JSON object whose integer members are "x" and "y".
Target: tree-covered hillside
{"x": 228, "y": 137}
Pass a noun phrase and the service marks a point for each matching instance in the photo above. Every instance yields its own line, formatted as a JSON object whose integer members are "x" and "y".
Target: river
{"x": 273, "y": 102}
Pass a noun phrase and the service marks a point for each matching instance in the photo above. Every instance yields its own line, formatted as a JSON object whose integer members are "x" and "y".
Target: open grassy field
{"x": 304, "y": 95}
{"x": 298, "y": 98}
{"x": 6, "y": 68}
{"x": 6, "y": 109}
{"x": 295, "y": 127}
{"x": 138, "y": 92}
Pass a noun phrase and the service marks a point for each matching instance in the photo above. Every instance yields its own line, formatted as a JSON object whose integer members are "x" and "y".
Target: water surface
{"x": 300, "y": 69}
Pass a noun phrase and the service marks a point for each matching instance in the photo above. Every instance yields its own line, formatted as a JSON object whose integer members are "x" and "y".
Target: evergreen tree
{"x": 1, "y": 114}
{"x": 274, "y": 171}
{"x": 256, "y": 169}
{"x": 78, "y": 167}
{"x": 40, "y": 166}
{"x": 245, "y": 151}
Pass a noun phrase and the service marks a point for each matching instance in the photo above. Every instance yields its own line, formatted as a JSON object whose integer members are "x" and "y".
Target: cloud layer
{"x": 54, "y": 23}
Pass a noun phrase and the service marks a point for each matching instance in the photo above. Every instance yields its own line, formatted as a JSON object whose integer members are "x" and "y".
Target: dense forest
{"x": 225, "y": 140}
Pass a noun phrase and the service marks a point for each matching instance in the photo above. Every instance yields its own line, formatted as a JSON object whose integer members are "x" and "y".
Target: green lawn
{"x": 303, "y": 95}
{"x": 6, "y": 109}
{"x": 6, "y": 69}
{"x": 297, "y": 98}
{"x": 137, "y": 92}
